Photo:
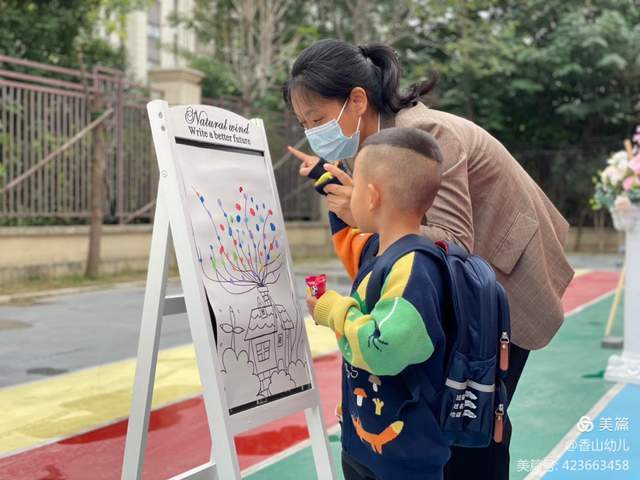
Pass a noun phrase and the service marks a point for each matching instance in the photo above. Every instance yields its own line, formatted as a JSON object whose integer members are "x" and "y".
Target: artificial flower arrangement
{"x": 618, "y": 185}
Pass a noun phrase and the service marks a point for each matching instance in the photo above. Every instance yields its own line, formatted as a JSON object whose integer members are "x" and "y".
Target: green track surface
{"x": 560, "y": 384}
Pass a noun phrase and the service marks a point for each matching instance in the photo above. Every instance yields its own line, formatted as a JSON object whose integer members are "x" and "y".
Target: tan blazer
{"x": 490, "y": 205}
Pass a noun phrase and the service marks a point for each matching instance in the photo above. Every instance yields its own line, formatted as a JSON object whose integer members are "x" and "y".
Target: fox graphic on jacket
{"x": 392, "y": 357}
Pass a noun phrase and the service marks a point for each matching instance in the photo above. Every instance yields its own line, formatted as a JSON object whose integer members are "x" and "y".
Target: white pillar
{"x": 626, "y": 367}
{"x": 136, "y": 44}
{"x": 180, "y": 86}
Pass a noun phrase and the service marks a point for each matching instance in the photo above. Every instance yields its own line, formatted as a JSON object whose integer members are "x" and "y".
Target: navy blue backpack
{"x": 473, "y": 401}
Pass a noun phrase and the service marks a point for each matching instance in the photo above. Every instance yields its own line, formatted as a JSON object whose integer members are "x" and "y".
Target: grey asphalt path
{"x": 58, "y": 334}
{"x": 603, "y": 261}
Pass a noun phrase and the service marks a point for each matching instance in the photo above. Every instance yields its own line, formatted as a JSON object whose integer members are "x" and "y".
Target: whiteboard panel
{"x": 238, "y": 232}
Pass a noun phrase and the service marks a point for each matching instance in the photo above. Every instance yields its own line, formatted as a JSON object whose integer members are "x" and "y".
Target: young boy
{"x": 393, "y": 353}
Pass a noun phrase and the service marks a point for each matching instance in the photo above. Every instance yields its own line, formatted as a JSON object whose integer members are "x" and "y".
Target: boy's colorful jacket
{"x": 390, "y": 354}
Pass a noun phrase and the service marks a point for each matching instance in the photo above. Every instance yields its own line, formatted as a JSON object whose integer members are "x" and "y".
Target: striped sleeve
{"x": 394, "y": 334}
{"x": 349, "y": 243}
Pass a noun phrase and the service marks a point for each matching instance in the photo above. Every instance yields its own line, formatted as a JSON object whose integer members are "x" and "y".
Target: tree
{"x": 73, "y": 34}
{"x": 556, "y": 81}
{"x": 364, "y": 21}
{"x": 252, "y": 39}
{"x": 53, "y": 32}
{"x": 553, "y": 80}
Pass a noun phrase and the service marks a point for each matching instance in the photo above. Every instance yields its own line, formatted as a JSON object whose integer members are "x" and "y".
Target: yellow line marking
{"x": 581, "y": 271}
{"x": 69, "y": 404}
{"x": 321, "y": 339}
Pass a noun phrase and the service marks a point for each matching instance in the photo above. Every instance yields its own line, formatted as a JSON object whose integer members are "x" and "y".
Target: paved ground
{"x": 560, "y": 384}
{"x": 598, "y": 261}
{"x": 61, "y": 334}
{"x": 54, "y": 335}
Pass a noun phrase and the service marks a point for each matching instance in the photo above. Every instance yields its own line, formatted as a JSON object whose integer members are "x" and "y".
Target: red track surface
{"x": 178, "y": 441}
{"x": 589, "y": 287}
{"x": 179, "y": 437}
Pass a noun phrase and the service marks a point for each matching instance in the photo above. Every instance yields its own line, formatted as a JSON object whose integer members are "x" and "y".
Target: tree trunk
{"x": 97, "y": 191}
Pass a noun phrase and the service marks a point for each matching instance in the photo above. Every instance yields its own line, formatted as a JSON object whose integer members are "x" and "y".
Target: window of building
{"x": 154, "y": 34}
{"x": 262, "y": 351}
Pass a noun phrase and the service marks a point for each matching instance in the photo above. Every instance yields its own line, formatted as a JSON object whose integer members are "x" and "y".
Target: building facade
{"x": 152, "y": 42}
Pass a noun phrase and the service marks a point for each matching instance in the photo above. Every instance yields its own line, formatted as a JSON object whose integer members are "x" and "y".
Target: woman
{"x": 487, "y": 203}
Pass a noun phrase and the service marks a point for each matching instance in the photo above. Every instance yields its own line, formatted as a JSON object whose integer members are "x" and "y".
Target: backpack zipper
{"x": 498, "y": 426}
{"x": 504, "y": 351}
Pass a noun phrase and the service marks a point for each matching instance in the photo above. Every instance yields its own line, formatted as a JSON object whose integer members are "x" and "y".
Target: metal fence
{"x": 47, "y": 129}
{"x": 46, "y": 142}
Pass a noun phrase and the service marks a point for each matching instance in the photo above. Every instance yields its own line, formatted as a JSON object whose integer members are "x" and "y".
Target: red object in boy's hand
{"x": 316, "y": 285}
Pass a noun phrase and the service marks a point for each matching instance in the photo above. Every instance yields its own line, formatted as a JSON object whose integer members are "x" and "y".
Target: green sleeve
{"x": 384, "y": 342}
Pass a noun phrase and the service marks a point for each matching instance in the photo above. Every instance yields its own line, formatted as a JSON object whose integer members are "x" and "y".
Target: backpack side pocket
{"x": 467, "y": 408}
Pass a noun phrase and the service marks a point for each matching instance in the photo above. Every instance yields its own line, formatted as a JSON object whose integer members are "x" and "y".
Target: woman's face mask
{"x": 329, "y": 142}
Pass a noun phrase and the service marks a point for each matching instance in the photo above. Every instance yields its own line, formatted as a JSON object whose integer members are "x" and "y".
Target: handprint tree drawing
{"x": 245, "y": 254}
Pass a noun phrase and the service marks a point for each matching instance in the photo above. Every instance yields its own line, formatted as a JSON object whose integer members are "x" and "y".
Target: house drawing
{"x": 269, "y": 336}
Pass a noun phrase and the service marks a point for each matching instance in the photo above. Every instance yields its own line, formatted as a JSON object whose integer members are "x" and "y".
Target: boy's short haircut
{"x": 407, "y": 162}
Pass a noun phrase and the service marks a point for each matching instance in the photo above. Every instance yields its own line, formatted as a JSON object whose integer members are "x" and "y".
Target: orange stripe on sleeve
{"x": 349, "y": 243}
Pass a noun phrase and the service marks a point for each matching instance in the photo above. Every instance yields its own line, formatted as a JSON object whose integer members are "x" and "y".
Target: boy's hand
{"x": 311, "y": 304}
{"x": 339, "y": 196}
{"x": 308, "y": 161}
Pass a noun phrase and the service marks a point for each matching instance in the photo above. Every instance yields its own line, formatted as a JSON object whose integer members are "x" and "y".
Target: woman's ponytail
{"x": 386, "y": 60}
{"x": 332, "y": 68}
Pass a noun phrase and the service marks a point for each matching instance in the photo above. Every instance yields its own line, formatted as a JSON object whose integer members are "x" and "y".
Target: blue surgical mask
{"x": 329, "y": 142}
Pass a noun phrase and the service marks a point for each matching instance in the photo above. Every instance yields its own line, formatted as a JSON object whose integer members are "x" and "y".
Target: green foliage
{"x": 557, "y": 81}
{"x": 218, "y": 81}
{"x": 55, "y": 31}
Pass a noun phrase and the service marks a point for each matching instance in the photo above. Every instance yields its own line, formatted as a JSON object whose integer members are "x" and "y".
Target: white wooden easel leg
{"x": 320, "y": 445}
{"x": 148, "y": 345}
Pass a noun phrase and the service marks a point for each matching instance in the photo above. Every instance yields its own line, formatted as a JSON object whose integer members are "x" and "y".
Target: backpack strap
{"x": 396, "y": 251}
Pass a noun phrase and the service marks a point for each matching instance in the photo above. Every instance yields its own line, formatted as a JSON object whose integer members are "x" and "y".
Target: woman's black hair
{"x": 332, "y": 68}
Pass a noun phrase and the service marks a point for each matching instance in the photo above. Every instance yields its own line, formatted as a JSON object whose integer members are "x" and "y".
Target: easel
{"x": 171, "y": 227}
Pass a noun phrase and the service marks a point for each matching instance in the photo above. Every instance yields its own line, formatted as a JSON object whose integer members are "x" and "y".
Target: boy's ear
{"x": 373, "y": 197}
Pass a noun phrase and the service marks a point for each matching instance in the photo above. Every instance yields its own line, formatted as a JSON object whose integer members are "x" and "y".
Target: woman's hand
{"x": 308, "y": 161}
{"x": 339, "y": 196}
